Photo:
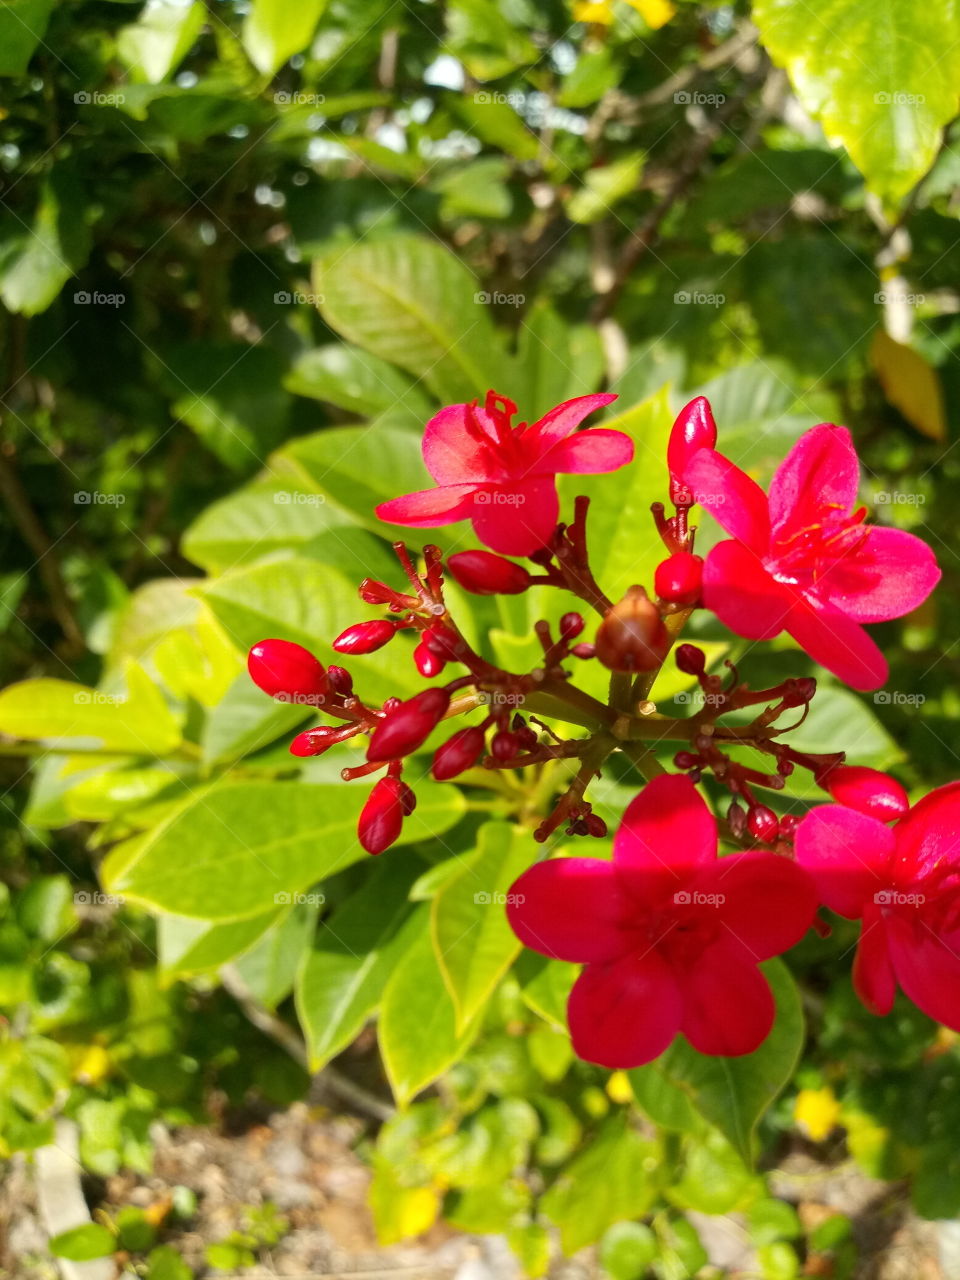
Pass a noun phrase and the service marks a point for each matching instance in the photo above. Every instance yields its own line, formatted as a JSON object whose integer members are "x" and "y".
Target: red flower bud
{"x": 571, "y": 624}
{"x": 287, "y": 671}
{"x": 584, "y": 651}
{"x": 788, "y": 824}
{"x": 428, "y": 663}
{"x": 341, "y": 681}
{"x": 408, "y": 725}
{"x": 443, "y": 642}
{"x": 407, "y": 799}
{"x": 365, "y": 637}
{"x": 866, "y": 790}
{"x": 313, "y": 742}
{"x": 381, "y": 818}
{"x": 485, "y": 574}
{"x": 763, "y": 824}
{"x": 632, "y": 636}
{"x": 798, "y": 691}
{"x": 686, "y": 760}
{"x": 694, "y": 429}
{"x": 459, "y": 753}
{"x": 679, "y": 578}
{"x": 504, "y": 745}
{"x": 595, "y": 825}
{"x": 691, "y": 660}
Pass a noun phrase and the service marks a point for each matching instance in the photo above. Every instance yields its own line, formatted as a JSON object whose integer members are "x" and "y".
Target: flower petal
{"x": 928, "y": 838}
{"x": 456, "y": 454}
{"x": 429, "y": 507}
{"x": 820, "y": 471}
{"x": 588, "y": 453}
{"x": 728, "y": 1007}
{"x": 889, "y": 573}
{"x": 837, "y": 643}
{"x": 848, "y": 854}
{"x": 516, "y": 519}
{"x": 766, "y": 903}
{"x": 666, "y": 834}
{"x": 626, "y": 1013}
{"x": 570, "y": 909}
{"x": 743, "y": 595}
{"x": 563, "y": 420}
{"x": 873, "y": 976}
{"x": 927, "y": 967}
{"x": 736, "y": 502}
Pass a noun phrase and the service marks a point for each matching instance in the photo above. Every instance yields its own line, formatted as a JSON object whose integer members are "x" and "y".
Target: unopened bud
{"x": 584, "y": 650}
{"x": 798, "y": 691}
{"x": 459, "y": 753}
{"x": 693, "y": 429}
{"x": 341, "y": 681}
{"x": 287, "y": 670}
{"x": 408, "y": 725}
{"x": 632, "y": 636}
{"x": 571, "y": 624}
{"x": 365, "y": 637}
{"x": 407, "y": 799}
{"x": 679, "y": 578}
{"x": 686, "y": 760}
{"x": 595, "y": 825}
{"x": 504, "y": 745}
{"x": 313, "y": 742}
{"x": 690, "y": 660}
{"x": 485, "y": 574}
{"x": 381, "y": 818}
{"x": 866, "y": 790}
{"x": 428, "y": 663}
{"x": 763, "y": 824}
{"x": 442, "y": 641}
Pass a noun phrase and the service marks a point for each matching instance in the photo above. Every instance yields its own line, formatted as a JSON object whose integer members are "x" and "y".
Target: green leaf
{"x": 81, "y": 1244}
{"x": 36, "y": 262}
{"x": 627, "y": 1250}
{"x": 475, "y": 945}
{"x": 603, "y": 187}
{"x": 495, "y": 122}
{"x": 240, "y": 849}
{"x": 342, "y": 977}
{"x": 545, "y": 986}
{"x": 155, "y": 46}
{"x": 593, "y": 75}
{"x": 245, "y": 721}
{"x": 838, "y": 716}
{"x": 881, "y": 75}
{"x": 733, "y": 1093}
{"x": 56, "y": 711}
{"x": 613, "y": 1180}
{"x": 276, "y": 29}
{"x": 476, "y": 190}
{"x": 661, "y": 1099}
{"x": 188, "y": 946}
{"x": 418, "y": 1034}
{"x": 23, "y": 24}
{"x": 270, "y": 966}
{"x": 412, "y": 303}
{"x": 354, "y": 379}
{"x": 556, "y": 361}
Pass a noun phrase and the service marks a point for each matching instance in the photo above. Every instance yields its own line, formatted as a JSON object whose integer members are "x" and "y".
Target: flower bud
{"x": 428, "y": 663}
{"x": 798, "y": 691}
{"x": 571, "y": 624}
{"x": 632, "y": 636}
{"x": 679, "y": 578}
{"x": 313, "y": 742}
{"x": 595, "y": 825}
{"x": 407, "y": 799}
{"x": 374, "y": 592}
{"x": 690, "y": 660}
{"x": 457, "y": 754}
{"x": 686, "y": 760}
{"x": 504, "y": 745}
{"x": 694, "y": 429}
{"x": 762, "y": 823}
{"x": 381, "y": 818}
{"x": 443, "y": 642}
{"x": 485, "y": 574}
{"x": 408, "y": 725}
{"x": 584, "y": 651}
{"x": 365, "y": 637}
{"x": 866, "y": 790}
{"x": 341, "y": 681}
{"x": 287, "y": 670}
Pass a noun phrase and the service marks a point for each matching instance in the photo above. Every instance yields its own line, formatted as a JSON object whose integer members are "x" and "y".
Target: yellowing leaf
{"x": 816, "y": 1111}
{"x": 910, "y": 384}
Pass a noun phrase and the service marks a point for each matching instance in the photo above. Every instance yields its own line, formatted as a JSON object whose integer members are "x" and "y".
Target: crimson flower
{"x": 903, "y": 882}
{"x": 502, "y": 477}
{"x": 803, "y": 561}
{"x": 669, "y": 933}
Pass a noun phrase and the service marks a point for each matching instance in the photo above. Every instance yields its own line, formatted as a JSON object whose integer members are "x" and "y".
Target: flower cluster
{"x": 669, "y": 933}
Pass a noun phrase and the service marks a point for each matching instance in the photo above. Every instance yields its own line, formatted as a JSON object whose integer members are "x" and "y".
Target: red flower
{"x": 502, "y": 477}
{"x": 803, "y": 561}
{"x": 904, "y": 883}
{"x": 670, "y": 934}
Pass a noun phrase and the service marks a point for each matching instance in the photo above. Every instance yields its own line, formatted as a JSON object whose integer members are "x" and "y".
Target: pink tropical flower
{"x": 903, "y": 882}
{"x": 803, "y": 561}
{"x": 503, "y": 477}
{"x": 670, "y": 934}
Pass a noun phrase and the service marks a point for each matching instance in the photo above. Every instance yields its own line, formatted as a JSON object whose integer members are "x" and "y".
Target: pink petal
{"x": 766, "y": 903}
{"x": 454, "y": 454}
{"x": 873, "y": 976}
{"x": 736, "y": 502}
{"x": 928, "y": 838}
{"x": 564, "y": 419}
{"x": 728, "y": 1007}
{"x": 516, "y": 519}
{"x": 429, "y": 507}
{"x": 927, "y": 967}
{"x": 820, "y": 471}
{"x": 743, "y": 595}
{"x": 624, "y": 1014}
{"x": 848, "y": 854}
{"x": 837, "y": 643}
{"x": 889, "y": 573}
{"x": 666, "y": 834}
{"x": 570, "y": 909}
{"x": 588, "y": 453}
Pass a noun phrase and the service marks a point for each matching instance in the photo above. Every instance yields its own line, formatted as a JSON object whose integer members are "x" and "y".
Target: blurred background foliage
{"x": 246, "y": 249}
